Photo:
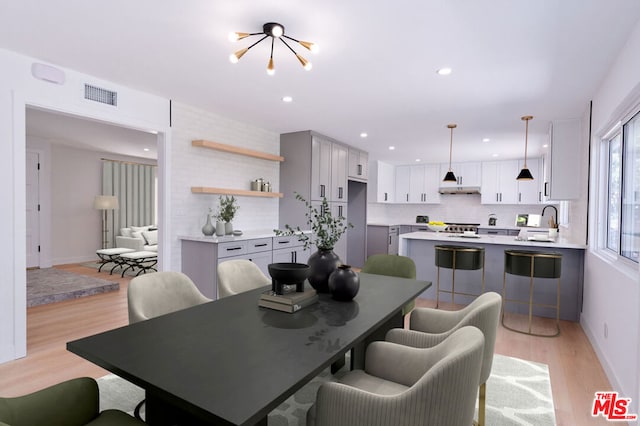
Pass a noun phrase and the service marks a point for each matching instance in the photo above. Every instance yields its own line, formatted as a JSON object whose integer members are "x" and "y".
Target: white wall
{"x": 193, "y": 166}
{"x": 611, "y": 294}
{"x": 18, "y": 88}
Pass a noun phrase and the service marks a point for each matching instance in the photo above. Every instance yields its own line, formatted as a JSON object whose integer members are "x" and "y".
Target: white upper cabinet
{"x": 563, "y": 161}
{"x": 499, "y": 184}
{"x": 381, "y": 186}
{"x": 467, "y": 174}
{"x": 403, "y": 184}
{"x": 530, "y": 191}
{"x": 358, "y": 164}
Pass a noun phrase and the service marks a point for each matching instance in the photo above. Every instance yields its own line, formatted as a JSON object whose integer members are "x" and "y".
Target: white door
{"x": 32, "y": 211}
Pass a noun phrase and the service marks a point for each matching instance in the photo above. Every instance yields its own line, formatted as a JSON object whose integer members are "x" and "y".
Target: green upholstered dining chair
{"x": 392, "y": 265}
{"x": 74, "y": 402}
{"x": 401, "y": 385}
{"x": 429, "y": 327}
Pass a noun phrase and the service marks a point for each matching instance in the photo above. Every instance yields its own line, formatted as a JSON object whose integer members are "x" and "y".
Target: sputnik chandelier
{"x": 275, "y": 31}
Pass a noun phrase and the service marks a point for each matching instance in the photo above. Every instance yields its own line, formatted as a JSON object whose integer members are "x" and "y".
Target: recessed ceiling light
{"x": 418, "y": 160}
{"x": 146, "y": 149}
{"x": 545, "y": 146}
{"x": 363, "y": 135}
{"x": 485, "y": 139}
{"x": 287, "y": 99}
{"x": 495, "y": 155}
{"x": 391, "y": 148}
{"x": 444, "y": 71}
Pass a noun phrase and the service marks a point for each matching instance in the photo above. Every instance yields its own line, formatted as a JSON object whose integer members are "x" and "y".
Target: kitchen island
{"x": 420, "y": 247}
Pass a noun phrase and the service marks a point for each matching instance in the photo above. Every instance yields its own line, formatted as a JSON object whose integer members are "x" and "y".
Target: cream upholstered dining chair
{"x": 160, "y": 293}
{"x": 407, "y": 386}
{"x": 429, "y": 327}
{"x": 239, "y": 275}
{"x": 392, "y": 265}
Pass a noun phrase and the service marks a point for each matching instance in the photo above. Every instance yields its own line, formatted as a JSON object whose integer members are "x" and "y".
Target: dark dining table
{"x": 231, "y": 362}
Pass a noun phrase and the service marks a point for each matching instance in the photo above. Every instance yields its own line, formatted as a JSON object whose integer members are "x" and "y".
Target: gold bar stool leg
{"x": 438, "y": 289}
{"x": 534, "y": 265}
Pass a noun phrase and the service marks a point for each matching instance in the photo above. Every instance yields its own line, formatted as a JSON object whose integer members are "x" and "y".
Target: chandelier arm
{"x": 287, "y": 44}
{"x": 257, "y": 41}
{"x": 272, "y": 41}
{"x": 290, "y": 38}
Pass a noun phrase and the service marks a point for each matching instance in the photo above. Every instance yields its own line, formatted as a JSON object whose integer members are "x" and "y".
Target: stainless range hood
{"x": 459, "y": 190}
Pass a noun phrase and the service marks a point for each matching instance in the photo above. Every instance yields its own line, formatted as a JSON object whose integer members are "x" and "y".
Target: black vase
{"x": 321, "y": 264}
{"x": 344, "y": 283}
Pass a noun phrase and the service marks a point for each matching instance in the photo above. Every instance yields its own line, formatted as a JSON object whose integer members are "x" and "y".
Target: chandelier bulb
{"x": 235, "y": 57}
{"x": 310, "y": 46}
{"x": 235, "y": 36}
{"x": 270, "y": 69}
{"x": 305, "y": 63}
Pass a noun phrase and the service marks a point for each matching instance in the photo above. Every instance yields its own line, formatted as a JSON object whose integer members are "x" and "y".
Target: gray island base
{"x": 420, "y": 246}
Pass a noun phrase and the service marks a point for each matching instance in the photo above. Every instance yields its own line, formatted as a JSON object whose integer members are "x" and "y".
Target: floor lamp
{"x": 105, "y": 203}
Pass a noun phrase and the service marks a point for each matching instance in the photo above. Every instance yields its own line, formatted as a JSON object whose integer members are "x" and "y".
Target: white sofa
{"x": 138, "y": 238}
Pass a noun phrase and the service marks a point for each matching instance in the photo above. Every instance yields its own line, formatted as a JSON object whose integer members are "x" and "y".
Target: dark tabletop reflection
{"x": 301, "y": 319}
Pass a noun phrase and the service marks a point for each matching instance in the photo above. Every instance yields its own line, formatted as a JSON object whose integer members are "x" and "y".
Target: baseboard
{"x": 70, "y": 260}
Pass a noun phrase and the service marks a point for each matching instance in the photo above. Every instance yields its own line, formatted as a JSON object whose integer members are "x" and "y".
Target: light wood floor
{"x": 575, "y": 371}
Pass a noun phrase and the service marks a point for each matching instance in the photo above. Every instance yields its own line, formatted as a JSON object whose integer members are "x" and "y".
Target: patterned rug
{"x": 49, "y": 285}
{"x": 518, "y": 394}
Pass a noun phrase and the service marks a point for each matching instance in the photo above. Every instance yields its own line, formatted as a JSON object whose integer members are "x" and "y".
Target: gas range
{"x": 459, "y": 228}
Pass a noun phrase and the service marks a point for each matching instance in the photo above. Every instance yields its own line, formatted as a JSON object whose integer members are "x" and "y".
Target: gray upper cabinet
{"x": 358, "y": 165}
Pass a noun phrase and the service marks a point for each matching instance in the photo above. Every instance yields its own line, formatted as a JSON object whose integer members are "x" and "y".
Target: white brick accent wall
{"x": 194, "y": 166}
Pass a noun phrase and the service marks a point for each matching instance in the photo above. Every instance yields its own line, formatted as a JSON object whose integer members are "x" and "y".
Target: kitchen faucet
{"x": 556, "y": 214}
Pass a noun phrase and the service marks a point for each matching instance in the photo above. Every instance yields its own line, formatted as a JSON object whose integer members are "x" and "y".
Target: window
{"x": 623, "y": 190}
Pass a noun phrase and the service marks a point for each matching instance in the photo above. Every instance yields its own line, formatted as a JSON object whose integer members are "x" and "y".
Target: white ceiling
{"x": 375, "y": 72}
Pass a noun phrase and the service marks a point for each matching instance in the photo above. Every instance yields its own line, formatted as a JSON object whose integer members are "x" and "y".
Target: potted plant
{"x": 326, "y": 230}
{"x": 227, "y": 211}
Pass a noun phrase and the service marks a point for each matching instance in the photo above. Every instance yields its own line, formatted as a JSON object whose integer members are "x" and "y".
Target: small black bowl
{"x": 288, "y": 273}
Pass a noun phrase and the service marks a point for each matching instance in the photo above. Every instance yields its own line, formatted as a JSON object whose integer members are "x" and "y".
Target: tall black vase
{"x": 321, "y": 264}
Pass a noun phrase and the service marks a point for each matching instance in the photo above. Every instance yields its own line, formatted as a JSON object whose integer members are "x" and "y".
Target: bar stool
{"x": 458, "y": 257}
{"x": 532, "y": 264}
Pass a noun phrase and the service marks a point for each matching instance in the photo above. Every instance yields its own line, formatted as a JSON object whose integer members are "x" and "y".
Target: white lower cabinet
{"x": 289, "y": 249}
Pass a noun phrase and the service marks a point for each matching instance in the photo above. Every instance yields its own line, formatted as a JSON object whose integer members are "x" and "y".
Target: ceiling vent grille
{"x": 98, "y": 94}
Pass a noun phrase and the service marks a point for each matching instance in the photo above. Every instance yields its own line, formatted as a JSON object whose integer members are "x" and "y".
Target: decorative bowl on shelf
{"x": 437, "y": 228}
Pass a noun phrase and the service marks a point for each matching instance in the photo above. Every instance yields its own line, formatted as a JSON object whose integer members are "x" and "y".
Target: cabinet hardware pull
{"x": 339, "y": 211}
{"x": 389, "y": 239}
{"x": 295, "y": 257}
{"x": 539, "y": 196}
{"x": 497, "y": 197}
{"x": 234, "y": 248}
{"x": 322, "y": 190}
{"x": 546, "y": 189}
{"x": 260, "y": 245}
{"x": 385, "y": 196}
{"x": 519, "y": 196}
{"x": 359, "y": 169}
{"x": 501, "y": 197}
{"x": 283, "y": 242}
{"x": 340, "y": 192}
{"x": 407, "y": 197}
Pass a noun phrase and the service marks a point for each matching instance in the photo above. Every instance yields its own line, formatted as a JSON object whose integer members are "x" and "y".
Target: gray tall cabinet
{"x": 317, "y": 167}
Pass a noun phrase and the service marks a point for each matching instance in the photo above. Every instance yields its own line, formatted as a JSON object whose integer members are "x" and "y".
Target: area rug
{"x": 49, "y": 285}
{"x": 518, "y": 393}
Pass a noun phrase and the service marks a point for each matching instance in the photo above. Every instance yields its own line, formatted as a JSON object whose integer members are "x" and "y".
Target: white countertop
{"x": 247, "y": 235}
{"x": 491, "y": 239}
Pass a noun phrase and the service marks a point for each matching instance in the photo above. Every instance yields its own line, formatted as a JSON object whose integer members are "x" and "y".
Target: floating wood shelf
{"x": 227, "y": 191}
{"x": 236, "y": 150}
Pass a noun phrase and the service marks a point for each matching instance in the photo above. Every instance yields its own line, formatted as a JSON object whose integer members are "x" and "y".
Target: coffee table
{"x": 232, "y": 362}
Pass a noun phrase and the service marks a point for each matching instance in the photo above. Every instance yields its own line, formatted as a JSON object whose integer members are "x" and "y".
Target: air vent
{"x": 98, "y": 94}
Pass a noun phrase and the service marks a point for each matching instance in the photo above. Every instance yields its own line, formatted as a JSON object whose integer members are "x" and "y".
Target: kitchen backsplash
{"x": 453, "y": 208}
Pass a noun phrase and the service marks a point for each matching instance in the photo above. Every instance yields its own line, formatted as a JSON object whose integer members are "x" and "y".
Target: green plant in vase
{"x": 326, "y": 229}
{"x": 227, "y": 211}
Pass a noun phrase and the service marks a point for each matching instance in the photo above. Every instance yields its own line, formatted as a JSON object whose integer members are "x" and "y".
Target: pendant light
{"x": 450, "y": 177}
{"x": 525, "y": 174}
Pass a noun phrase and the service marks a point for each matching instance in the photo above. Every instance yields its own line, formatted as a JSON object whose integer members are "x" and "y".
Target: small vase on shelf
{"x": 228, "y": 228}
{"x": 208, "y": 228}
